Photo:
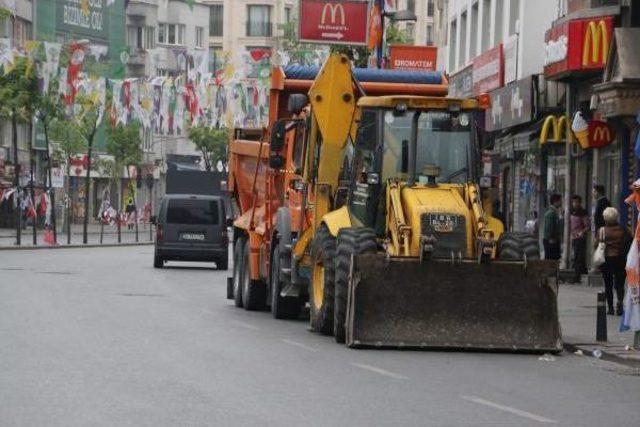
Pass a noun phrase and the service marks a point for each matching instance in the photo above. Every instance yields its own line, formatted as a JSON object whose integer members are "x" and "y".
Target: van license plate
{"x": 192, "y": 236}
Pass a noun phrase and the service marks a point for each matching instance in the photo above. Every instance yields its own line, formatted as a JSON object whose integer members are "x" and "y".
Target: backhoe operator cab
{"x": 424, "y": 144}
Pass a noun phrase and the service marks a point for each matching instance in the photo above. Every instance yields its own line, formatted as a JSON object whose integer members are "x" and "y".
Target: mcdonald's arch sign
{"x": 600, "y": 134}
{"x": 579, "y": 45}
{"x": 334, "y": 21}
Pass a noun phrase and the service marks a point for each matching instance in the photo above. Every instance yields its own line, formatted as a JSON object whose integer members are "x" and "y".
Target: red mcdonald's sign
{"x": 334, "y": 21}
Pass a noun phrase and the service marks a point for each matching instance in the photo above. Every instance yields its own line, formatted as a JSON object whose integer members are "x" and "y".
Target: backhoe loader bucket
{"x": 497, "y": 306}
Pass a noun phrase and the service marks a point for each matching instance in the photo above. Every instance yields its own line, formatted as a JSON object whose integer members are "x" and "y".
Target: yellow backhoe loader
{"x": 413, "y": 259}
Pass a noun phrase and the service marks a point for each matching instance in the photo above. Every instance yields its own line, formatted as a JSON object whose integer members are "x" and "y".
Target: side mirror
{"x": 276, "y": 161}
{"x": 277, "y": 136}
{"x": 373, "y": 178}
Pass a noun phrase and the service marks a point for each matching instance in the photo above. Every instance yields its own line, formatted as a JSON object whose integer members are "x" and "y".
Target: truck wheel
{"x": 321, "y": 294}
{"x": 351, "y": 241}
{"x": 281, "y": 307}
{"x": 254, "y": 292}
{"x": 238, "y": 262}
{"x": 515, "y": 246}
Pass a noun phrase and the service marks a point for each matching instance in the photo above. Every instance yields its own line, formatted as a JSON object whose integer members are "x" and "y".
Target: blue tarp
{"x": 297, "y": 72}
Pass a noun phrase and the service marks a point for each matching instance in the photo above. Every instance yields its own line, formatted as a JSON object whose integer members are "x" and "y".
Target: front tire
{"x": 517, "y": 246}
{"x": 158, "y": 262}
{"x": 222, "y": 263}
{"x": 238, "y": 263}
{"x": 351, "y": 241}
{"x": 253, "y": 291}
{"x": 321, "y": 292}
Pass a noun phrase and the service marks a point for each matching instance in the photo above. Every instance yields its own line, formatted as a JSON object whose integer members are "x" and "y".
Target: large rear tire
{"x": 516, "y": 246}
{"x": 254, "y": 292}
{"x": 281, "y": 307}
{"x": 238, "y": 263}
{"x": 158, "y": 262}
{"x": 321, "y": 296}
{"x": 351, "y": 241}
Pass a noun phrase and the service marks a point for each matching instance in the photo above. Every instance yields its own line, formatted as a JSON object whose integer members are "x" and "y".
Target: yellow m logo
{"x": 602, "y": 133}
{"x": 596, "y": 44}
{"x": 333, "y": 9}
{"x": 558, "y": 126}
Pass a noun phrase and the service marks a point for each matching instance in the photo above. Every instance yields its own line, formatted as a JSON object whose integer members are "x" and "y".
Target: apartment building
{"x": 254, "y": 25}
{"x": 427, "y": 30}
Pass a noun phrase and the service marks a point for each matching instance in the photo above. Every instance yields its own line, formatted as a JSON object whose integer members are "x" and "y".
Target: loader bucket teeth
{"x": 498, "y": 306}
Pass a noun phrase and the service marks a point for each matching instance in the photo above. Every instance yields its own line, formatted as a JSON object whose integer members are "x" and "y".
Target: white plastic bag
{"x": 599, "y": 253}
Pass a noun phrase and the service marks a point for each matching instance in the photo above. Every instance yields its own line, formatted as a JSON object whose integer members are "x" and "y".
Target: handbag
{"x": 598, "y": 254}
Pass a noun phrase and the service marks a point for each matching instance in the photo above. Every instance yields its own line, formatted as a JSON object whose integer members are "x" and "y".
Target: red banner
{"x": 417, "y": 58}
{"x": 578, "y": 45}
{"x": 334, "y": 22}
{"x": 488, "y": 71}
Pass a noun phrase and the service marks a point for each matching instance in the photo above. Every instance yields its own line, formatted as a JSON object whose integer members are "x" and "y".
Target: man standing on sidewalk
{"x": 600, "y": 203}
{"x": 552, "y": 228}
{"x": 579, "y": 229}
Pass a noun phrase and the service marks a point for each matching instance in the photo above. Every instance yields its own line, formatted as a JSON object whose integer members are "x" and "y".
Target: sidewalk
{"x": 110, "y": 237}
{"x": 577, "y": 311}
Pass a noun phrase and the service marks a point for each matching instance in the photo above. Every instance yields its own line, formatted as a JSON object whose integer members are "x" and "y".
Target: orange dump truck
{"x": 268, "y": 190}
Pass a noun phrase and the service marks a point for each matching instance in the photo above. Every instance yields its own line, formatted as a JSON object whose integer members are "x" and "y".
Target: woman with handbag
{"x": 613, "y": 242}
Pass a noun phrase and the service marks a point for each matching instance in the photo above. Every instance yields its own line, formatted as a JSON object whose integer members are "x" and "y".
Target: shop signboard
{"x": 88, "y": 18}
{"x": 510, "y": 105}
{"x": 57, "y": 177}
{"x": 414, "y": 58}
{"x": 577, "y": 46}
{"x": 461, "y": 83}
{"x": 343, "y": 22}
{"x": 488, "y": 70}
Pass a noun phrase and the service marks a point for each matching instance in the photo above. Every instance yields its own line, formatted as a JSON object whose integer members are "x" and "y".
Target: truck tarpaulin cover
{"x": 297, "y": 72}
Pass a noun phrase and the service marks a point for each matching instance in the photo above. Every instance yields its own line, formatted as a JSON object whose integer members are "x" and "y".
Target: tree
{"x": 87, "y": 115}
{"x": 212, "y": 143}
{"x": 69, "y": 143}
{"x": 124, "y": 144}
{"x": 18, "y": 97}
{"x": 395, "y": 35}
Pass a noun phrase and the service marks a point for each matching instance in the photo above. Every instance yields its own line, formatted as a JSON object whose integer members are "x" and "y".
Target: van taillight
{"x": 159, "y": 233}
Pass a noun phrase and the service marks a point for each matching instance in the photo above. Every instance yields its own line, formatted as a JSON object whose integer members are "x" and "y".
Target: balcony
{"x": 141, "y": 9}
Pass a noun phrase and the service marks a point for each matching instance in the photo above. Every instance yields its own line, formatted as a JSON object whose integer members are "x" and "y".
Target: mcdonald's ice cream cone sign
{"x": 577, "y": 46}
{"x": 334, "y": 21}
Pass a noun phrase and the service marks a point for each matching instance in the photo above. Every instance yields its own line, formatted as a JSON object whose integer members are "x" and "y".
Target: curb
{"x": 609, "y": 357}
{"x": 75, "y": 246}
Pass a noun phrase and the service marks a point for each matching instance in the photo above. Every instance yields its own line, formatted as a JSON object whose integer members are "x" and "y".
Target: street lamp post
{"x": 396, "y": 16}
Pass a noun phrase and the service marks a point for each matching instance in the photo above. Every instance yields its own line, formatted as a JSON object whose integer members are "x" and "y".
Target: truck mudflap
{"x": 445, "y": 304}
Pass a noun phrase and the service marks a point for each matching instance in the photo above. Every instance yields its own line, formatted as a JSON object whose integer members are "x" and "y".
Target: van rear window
{"x": 194, "y": 212}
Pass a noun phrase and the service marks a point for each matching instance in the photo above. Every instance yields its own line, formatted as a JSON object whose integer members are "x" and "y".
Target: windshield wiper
{"x": 456, "y": 173}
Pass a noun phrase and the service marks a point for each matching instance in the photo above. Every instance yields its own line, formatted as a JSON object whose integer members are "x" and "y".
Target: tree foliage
{"x": 19, "y": 91}
{"x": 212, "y": 143}
{"x": 395, "y": 35}
{"x": 123, "y": 143}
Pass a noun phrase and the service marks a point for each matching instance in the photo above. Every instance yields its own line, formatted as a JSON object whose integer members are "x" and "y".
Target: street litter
{"x": 547, "y": 358}
{"x": 579, "y": 353}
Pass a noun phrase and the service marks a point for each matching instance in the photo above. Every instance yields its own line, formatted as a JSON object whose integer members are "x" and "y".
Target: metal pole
{"x": 568, "y": 181}
{"x": 601, "y": 318}
{"x": 381, "y": 43}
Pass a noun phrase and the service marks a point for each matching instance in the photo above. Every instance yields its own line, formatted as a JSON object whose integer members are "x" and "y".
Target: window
{"x": 411, "y": 5}
{"x": 411, "y": 31}
{"x": 4, "y": 27}
{"x": 140, "y": 38}
{"x": 21, "y": 32}
{"x": 199, "y": 37}
{"x": 430, "y": 8}
{"x": 171, "y": 34}
{"x": 430, "y": 35}
{"x": 192, "y": 212}
{"x": 259, "y": 21}
{"x": 216, "y": 20}
{"x": 216, "y": 62}
{"x": 514, "y": 16}
{"x": 287, "y": 15}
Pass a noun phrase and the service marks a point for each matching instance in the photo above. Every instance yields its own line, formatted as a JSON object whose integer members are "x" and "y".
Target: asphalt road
{"x": 98, "y": 337}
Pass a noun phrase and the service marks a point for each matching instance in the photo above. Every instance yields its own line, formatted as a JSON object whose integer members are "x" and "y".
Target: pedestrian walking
{"x": 631, "y": 302}
{"x": 552, "y": 231}
{"x": 579, "y": 229}
{"x": 617, "y": 241}
{"x": 600, "y": 203}
{"x": 132, "y": 213}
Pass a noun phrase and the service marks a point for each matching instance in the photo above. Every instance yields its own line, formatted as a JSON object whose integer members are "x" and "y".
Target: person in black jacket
{"x": 600, "y": 203}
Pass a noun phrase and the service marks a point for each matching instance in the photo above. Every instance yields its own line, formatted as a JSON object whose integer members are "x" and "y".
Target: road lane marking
{"x": 504, "y": 408}
{"x": 380, "y": 371}
{"x": 297, "y": 344}
{"x": 246, "y": 325}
